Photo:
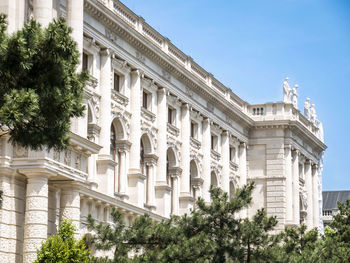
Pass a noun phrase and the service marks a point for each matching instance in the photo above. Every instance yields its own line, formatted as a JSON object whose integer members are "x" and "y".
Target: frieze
{"x": 140, "y": 57}
{"x": 20, "y": 152}
{"x": 67, "y": 157}
{"x": 166, "y": 75}
{"x": 77, "y": 161}
{"x": 111, "y": 35}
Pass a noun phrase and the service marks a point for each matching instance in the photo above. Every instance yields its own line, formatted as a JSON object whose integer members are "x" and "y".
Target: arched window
{"x": 213, "y": 180}
{"x": 113, "y": 148}
{"x": 142, "y": 158}
{"x": 232, "y": 191}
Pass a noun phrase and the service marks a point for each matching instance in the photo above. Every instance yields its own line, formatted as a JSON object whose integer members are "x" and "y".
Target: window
{"x": 194, "y": 129}
{"x": 113, "y": 147}
{"x": 146, "y": 100}
{"x": 214, "y": 142}
{"x": 171, "y": 116}
{"x": 116, "y": 84}
{"x": 262, "y": 111}
{"x": 232, "y": 154}
{"x": 85, "y": 61}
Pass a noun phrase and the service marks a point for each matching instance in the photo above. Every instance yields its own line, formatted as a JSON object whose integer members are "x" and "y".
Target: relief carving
{"x": 20, "y": 152}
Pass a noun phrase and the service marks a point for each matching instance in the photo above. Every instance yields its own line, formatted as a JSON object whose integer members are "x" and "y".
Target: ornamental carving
{"x": 67, "y": 157}
{"x": 166, "y": 75}
{"x": 95, "y": 103}
{"x": 56, "y": 155}
{"x": 140, "y": 57}
{"x": 20, "y": 152}
{"x": 77, "y": 161}
{"x": 111, "y": 35}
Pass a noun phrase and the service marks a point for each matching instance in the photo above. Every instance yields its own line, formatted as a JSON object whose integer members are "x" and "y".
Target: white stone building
{"x": 158, "y": 131}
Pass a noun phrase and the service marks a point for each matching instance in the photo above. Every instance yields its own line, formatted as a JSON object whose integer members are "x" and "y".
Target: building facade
{"x": 158, "y": 131}
{"x": 330, "y": 204}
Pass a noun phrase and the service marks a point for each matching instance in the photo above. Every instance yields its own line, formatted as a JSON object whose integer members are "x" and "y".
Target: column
{"x": 289, "y": 183}
{"x": 225, "y": 155}
{"x": 308, "y": 185}
{"x": 136, "y": 180}
{"x": 42, "y": 10}
{"x": 242, "y": 169}
{"x": 150, "y": 185}
{"x": 242, "y": 164}
{"x": 315, "y": 195}
{"x": 135, "y": 123}
{"x": 163, "y": 197}
{"x": 185, "y": 197}
{"x": 122, "y": 173}
{"x": 175, "y": 195}
{"x": 161, "y": 137}
{"x": 296, "y": 194}
{"x": 36, "y": 215}
{"x": 105, "y": 116}
{"x": 75, "y": 19}
{"x": 70, "y": 206}
{"x": 206, "y": 146}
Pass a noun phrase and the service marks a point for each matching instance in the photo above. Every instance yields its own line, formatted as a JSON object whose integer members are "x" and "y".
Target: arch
{"x": 171, "y": 157}
{"x": 146, "y": 142}
{"x": 119, "y": 127}
{"x": 91, "y": 113}
{"x": 231, "y": 190}
{"x": 193, "y": 169}
{"x": 213, "y": 179}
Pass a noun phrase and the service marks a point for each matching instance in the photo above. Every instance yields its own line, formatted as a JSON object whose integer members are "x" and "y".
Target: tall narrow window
{"x": 145, "y": 100}
{"x": 113, "y": 148}
{"x": 116, "y": 85}
{"x": 85, "y": 61}
{"x": 214, "y": 142}
{"x": 194, "y": 130}
{"x": 170, "y": 116}
{"x": 142, "y": 159}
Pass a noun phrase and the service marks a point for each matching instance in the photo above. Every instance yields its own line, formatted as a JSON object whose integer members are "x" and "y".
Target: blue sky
{"x": 252, "y": 45}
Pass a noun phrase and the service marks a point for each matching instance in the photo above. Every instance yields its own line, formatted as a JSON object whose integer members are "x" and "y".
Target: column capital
{"x": 243, "y": 145}
{"x": 288, "y": 147}
{"x": 136, "y": 72}
{"x": 206, "y": 120}
{"x": 37, "y": 172}
{"x": 162, "y": 91}
{"x": 175, "y": 171}
{"x": 225, "y": 133}
{"x": 105, "y": 52}
{"x": 123, "y": 145}
{"x": 185, "y": 106}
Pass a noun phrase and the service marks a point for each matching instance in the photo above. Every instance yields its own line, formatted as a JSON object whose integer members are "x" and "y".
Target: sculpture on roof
{"x": 287, "y": 91}
{"x": 313, "y": 114}
{"x": 295, "y": 96}
{"x": 307, "y": 108}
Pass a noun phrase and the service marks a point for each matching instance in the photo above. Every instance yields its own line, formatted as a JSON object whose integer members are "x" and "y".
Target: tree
{"x": 40, "y": 90}
{"x": 63, "y": 247}
{"x": 335, "y": 245}
{"x": 210, "y": 233}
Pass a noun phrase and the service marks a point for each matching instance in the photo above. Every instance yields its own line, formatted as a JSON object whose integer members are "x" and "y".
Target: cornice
{"x": 152, "y": 51}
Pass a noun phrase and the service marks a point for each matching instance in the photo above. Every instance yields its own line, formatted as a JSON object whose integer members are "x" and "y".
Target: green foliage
{"x": 63, "y": 247}
{"x": 40, "y": 90}
{"x": 210, "y": 233}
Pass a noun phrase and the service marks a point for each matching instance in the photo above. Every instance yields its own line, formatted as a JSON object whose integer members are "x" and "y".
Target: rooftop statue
{"x": 295, "y": 96}
{"x": 307, "y": 108}
{"x": 287, "y": 91}
{"x": 313, "y": 114}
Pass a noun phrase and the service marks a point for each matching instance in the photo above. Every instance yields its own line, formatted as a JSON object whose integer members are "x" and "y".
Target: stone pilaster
{"x": 161, "y": 184}
{"x": 225, "y": 155}
{"x": 135, "y": 178}
{"x": 206, "y": 146}
{"x": 185, "y": 197}
{"x": 308, "y": 185}
{"x": 70, "y": 205}
{"x": 105, "y": 88}
{"x": 315, "y": 194}
{"x": 161, "y": 137}
{"x": 296, "y": 194}
{"x": 75, "y": 19}
{"x": 42, "y": 11}
{"x": 175, "y": 173}
{"x": 289, "y": 183}
{"x": 36, "y": 214}
{"x": 242, "y": 169}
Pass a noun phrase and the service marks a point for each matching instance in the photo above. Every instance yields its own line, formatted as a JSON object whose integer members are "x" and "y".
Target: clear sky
{"x": 252, "y": 45}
